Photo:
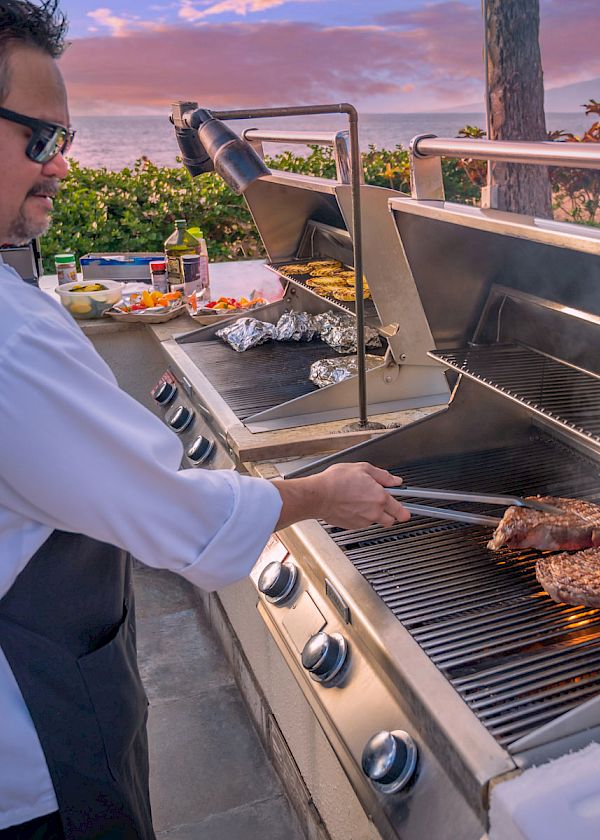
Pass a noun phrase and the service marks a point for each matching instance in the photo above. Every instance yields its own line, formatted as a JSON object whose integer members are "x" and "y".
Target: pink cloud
{"x": 237, "y": 64}
{"x": 569, "y": 39}
{"x": 451, "y": 36}
{"x": 420, "y": 59}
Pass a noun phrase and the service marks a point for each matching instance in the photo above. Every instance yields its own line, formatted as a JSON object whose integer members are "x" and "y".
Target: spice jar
{"x": 66, "y": 268}
{"x": 158, "y": 273}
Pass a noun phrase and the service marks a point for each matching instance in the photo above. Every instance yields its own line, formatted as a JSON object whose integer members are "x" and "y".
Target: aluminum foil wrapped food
{"x": 330, "y": 371}
{"x": 246, "y": 333}
{"x": 296, "y": 326}
{"x": 339, "y": 331}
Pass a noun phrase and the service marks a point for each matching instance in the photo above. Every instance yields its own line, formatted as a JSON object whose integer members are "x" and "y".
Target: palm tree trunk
{"x": 516, "y": 103}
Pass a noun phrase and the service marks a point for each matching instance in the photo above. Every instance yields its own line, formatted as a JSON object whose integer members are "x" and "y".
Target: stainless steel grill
{"x": 489, "y": 676}
{"x": 524, "y": 419}
{"x": 516, "y": 657}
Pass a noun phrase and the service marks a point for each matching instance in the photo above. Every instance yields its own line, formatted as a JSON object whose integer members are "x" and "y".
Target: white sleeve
{"x": 80, "y": 455}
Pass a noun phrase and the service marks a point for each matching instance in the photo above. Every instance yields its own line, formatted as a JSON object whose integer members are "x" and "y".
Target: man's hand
{"x": 345, "y": 495}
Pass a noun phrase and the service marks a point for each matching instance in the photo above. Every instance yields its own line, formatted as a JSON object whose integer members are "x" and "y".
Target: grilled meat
{"x": 571, "y": 578}
{"x": 577, "y": 528}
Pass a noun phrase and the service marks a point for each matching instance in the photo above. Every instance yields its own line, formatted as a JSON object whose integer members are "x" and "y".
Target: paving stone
{"x": 159, "y": 592}
{"x": 179, "y": 657}
{"x": 205, "y": 758}
{"x": 268, "y": 820}
{"x": 209, "y": 776}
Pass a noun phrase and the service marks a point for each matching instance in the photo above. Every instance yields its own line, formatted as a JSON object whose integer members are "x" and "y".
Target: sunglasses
{"x": 47, "y": 139}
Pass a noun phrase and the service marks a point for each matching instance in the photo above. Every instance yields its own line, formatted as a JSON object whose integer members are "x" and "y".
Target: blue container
{"x": 132, "y": 267}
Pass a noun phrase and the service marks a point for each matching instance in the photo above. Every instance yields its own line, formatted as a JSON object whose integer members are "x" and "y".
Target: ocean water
{"x": 116, "y": 142}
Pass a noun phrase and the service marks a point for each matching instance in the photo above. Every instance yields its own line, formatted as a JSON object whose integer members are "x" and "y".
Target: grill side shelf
{"x": 562, "y": 394}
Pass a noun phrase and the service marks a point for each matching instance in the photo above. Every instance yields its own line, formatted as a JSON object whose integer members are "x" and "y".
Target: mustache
{"x": 49, "y": 187}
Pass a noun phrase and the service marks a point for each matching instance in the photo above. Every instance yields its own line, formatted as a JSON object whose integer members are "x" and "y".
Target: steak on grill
{"x": 577, "y": 528}
{"x": 571, "y": 578}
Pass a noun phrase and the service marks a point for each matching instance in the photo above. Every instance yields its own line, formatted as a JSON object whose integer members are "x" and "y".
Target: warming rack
{"x": 559, "y": 392}
{"x": 516, "y": 657}
{"x": 300, "y": 279}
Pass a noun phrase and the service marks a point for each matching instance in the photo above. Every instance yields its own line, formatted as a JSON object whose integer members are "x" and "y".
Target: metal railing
{"x": 338, "y": 140}
{"x": 427, "y": 149}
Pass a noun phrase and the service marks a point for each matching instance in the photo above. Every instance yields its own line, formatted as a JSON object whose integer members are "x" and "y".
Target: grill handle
{"x": 426, "y": 152}
{"x": 542, "y": 153}
{"x": 338, "y": 140}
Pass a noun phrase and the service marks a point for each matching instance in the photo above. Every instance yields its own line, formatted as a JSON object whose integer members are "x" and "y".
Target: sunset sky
{"x": 381, "y": 55}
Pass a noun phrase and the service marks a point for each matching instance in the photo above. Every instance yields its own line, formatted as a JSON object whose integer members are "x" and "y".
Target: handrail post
{"x": 426, "y": 181}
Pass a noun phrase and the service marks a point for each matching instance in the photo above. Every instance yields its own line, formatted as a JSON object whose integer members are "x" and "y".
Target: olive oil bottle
{"x": 179, "y": 243}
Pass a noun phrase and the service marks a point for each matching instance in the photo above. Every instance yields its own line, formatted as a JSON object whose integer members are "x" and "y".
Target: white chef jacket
{"x": 80, "y": 455}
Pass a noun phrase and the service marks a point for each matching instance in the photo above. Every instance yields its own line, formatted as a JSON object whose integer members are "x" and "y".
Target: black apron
{"x": 67, "y": 629}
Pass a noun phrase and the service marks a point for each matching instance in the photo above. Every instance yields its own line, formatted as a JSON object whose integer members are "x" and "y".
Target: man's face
{"x": 35, "y": 89}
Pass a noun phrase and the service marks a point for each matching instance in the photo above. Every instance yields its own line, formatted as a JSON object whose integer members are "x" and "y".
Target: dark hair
{"x": 32, "y": 25}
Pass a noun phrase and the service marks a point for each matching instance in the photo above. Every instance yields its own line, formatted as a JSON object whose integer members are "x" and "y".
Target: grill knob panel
{"x": 389, "y": 760}
{"x": 277, "y": 581}
{"x": 324, "y": 655}
{"x": 181, "y": 419}
{"x": 165, "y": 393}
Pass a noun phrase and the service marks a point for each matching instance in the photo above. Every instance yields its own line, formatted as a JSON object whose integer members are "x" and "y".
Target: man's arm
{"x": 345, "y": 495}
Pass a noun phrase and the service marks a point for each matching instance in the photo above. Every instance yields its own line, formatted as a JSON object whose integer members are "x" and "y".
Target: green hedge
{"x": 135, "y": 209}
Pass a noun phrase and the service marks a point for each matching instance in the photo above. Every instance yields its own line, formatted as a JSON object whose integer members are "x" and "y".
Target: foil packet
{"x": 339, "y": 331}
{"x": 246, "y": 333}
{"x": 296, "y": 326}
{"x": 330, "y": 371}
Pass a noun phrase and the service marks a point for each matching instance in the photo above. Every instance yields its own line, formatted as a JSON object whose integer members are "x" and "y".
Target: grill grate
{"x": 561, "y": 393}
{"x": 260, "y": 378}
{"x": 517, "y": 658}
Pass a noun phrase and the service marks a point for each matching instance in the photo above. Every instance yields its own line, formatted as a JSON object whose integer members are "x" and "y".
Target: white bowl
{"x": 86, "y": 305}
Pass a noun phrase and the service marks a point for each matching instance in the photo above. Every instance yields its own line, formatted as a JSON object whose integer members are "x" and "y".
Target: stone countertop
{"x": 230, "y": 279}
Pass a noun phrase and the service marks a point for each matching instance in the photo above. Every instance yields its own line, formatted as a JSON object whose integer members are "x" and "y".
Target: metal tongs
{"x": 457, "y": 496}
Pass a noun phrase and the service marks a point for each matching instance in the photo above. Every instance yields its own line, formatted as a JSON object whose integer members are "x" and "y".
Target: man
{"x": 87, "y": 477}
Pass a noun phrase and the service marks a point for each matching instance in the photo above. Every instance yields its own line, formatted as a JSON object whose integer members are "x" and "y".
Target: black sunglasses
{"x": 47, "y": 139}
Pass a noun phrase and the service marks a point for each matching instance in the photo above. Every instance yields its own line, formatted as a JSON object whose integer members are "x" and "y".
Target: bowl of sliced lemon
{"x": 89, "y": 299}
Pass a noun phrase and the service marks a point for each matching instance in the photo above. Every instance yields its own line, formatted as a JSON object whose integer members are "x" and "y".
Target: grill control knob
{"x": 200, "y": 450}
{"x": 324, "y": 655}
{"x": 181, "y": 419}
{"x": 389, "y": 760}
{"x": 277, "y": 581}
{"x": 165, "y": 393}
